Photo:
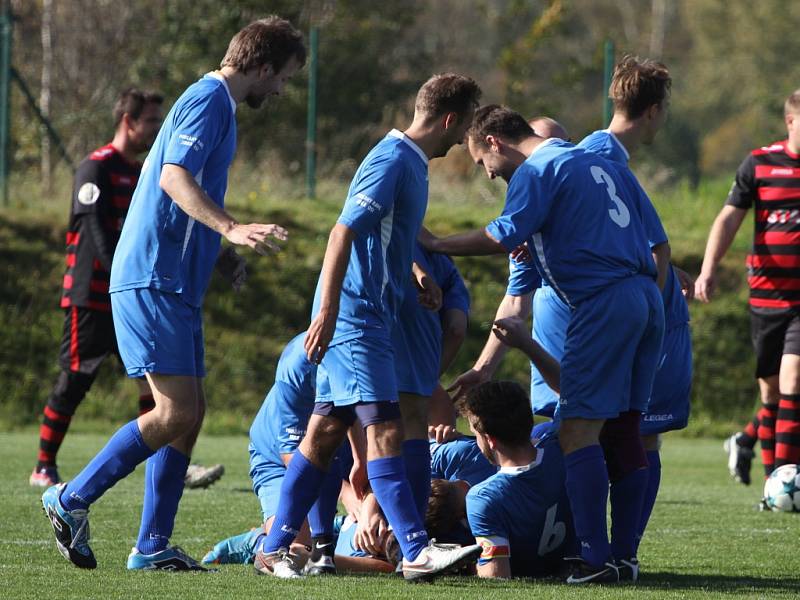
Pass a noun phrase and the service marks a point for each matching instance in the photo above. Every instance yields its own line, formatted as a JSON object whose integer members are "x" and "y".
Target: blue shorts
{"x": 157, "y": 332}
{"x": 416, "y": 367}
{"x": 670, "y": 401}
{"x": 612, "y": 350}
{"x": 359, "y": 370}
{"x": 550, "y": 320}
{"x": 267, "y": 477}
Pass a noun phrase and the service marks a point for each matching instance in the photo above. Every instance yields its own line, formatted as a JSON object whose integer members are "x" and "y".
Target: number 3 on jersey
{"x": 620, "y": 213}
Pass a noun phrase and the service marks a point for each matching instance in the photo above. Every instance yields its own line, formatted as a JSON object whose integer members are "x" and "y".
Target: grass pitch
{"x": 705, "y": 539}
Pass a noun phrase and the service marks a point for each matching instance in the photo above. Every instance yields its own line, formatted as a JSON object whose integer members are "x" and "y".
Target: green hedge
{"x": 245, "y": 332}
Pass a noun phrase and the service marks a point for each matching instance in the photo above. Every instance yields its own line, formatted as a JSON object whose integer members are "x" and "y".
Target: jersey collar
{"x": 219, "y": 77}
{"x": 545, "y": 143}
{"x": 616, "y": 139}
{"x": 402, "y": 136}
{"x": 524, "y": 468}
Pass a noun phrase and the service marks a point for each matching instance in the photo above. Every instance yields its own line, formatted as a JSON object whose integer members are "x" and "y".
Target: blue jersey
{"x": 606, "y": 144}
{"x": 160, "y": 246}
{"x": 385, "y": 207}
{"x": 281, "y": 422}
{"x": 580, "y": 215}
{"x": 523, "y": 513}
{"x": 417, "y": 335}
{"x": 460, "y": 459}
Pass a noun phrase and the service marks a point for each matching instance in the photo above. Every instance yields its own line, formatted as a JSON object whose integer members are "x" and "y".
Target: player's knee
{"x": 68, "y": 392}
{"x": 178, "y": 419}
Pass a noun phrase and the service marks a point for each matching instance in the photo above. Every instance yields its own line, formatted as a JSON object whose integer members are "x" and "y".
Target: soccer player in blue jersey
{"x": 582, "y": 217}
{"x": 640, "y": 92}
{"x": 168, "y": 247}
{"x": 367, "y": 265}
{"x": 425, "y": 343}
{"x": 521, "y": 515}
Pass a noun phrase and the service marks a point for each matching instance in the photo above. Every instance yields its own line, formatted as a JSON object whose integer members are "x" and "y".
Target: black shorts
{"x": 87, "y": 340}
{"x": 774, "y": 334}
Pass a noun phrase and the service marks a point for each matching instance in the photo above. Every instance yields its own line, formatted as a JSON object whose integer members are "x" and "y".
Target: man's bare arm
{"x": 720, "y": 239}
{"x": 334, "y": 267}
{"x": 179, "y": 184}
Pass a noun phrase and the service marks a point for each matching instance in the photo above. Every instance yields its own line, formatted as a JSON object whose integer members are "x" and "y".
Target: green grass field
{"x": 705, "y": 540}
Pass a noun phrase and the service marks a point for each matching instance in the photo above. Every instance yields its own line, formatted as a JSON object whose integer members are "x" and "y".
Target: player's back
{"x": 574, "y": 206}
{"x": 460, "y": 459}
{"x": 526, "y": 507}
{"x": 606, "y": 144}
{"x": 282, "y": 419}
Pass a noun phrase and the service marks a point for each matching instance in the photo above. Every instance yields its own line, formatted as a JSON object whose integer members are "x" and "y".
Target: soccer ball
{"x": 782, "y": 489}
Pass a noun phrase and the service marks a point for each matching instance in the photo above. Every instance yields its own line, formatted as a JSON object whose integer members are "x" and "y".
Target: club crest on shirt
{"x": 88, "y": 194}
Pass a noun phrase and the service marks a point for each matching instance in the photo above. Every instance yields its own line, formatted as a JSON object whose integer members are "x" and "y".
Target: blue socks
{"x": 627, "y": 498}
{"x": 587, "y": 488}
{"x": 320, "y": 517}
{"x": 300, "y": 489}
{"x": 417, "y": 456}
{"x": 387, "y": 476}
{"x": 653, "y": 483}
{"x": 163, "y": 488}
{"x": 116, "y": 460}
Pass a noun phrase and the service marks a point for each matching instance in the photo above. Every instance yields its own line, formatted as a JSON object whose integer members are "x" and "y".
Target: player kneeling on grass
{"x": 521, "y": 515}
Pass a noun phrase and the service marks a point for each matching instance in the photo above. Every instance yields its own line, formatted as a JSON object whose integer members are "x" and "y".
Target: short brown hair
{"x": 499, "y": 121}
{"x": 447, "y": 92}
{"x": 792, "y": 104}
{"x": 132, "y": 101}
{"x": 270, "y": 41}
{"x": 500, "y": 409}
{"x": 442, "y": 515}
{"x": 638, "y": 84}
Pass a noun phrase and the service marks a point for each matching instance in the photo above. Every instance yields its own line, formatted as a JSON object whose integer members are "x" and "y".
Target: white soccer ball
{"x": 782, "y": 489}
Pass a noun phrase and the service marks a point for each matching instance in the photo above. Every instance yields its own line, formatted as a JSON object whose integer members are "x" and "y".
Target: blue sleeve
{"x": 483, "y": 520}
{"x": 523, "y": 278}
{"x": 528, "y": 202}
{"x": 196, "y": 131}
{"x": 373, "y": 192}
{"x": 292, "y": 424}
{"x": 454, "y": 292}
{"x": 436, "y": 461}
{"x": 650, "y": 219}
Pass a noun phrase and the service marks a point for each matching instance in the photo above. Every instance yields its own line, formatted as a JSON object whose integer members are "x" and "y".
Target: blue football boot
{"x": 172, "y": 558}
{"x": 70, "y": 527}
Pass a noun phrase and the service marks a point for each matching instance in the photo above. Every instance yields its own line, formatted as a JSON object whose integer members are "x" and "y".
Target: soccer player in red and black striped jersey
{"x": 104, "y": 184}
{"x": 768, "y": 181}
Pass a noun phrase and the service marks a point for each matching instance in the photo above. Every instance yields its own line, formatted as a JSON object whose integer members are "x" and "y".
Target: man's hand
{"x": 256, "y": 236}
{"x": 371, "y": 530}
{"x": 686, "y": 282}
{"x": 430, "y": 294}
{"x": 512, "y": 331}
{"x": 465, "y": 382}
{"x": 320, "y": 334}
{"x": 521, "y": 254}
{"x": 442, "y": 433}
{"x": 705, "y": 286}
{"x": 232, "y": 267}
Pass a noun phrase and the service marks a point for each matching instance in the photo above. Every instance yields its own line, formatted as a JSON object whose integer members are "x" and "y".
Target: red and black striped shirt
{"x": 769, "y": 181}
{"x": 104, "y": 184}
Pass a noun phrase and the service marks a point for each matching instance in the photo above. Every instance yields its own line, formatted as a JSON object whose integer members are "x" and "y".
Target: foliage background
{"x": 731, "y": 66}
